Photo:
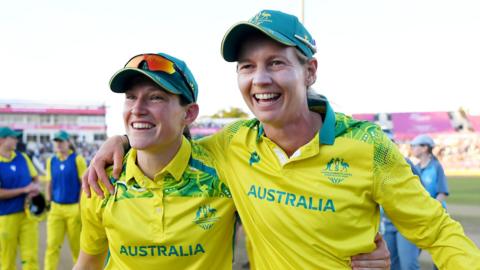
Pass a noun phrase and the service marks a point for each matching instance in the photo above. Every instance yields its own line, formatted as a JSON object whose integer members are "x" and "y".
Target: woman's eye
{"x": 245, "y": 66}
{"x": 156, "y": 98}
{"x": 276, "y": 63}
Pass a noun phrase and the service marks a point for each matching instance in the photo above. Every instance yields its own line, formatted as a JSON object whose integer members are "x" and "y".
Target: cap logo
{"x": 305, "y": 41}
{"x": 261, "y": 17}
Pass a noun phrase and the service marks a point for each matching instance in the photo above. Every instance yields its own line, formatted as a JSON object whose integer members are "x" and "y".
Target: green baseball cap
{"x": 168, "y": 72}
{"x": 61, "y": 135}
{"x": 279, "y": 26}
{"x": 8, "y": 132}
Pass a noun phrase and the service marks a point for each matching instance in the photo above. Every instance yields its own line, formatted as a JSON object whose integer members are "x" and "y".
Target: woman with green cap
{"x": 64, "y": 172}
{"x": 169, "y": 209}
{"x": 18, "y": 179}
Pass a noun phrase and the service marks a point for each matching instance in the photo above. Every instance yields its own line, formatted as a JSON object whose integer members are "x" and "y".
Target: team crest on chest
{"x": 205, "y": 217}
{"x": 62, "y": 167}
{"x": 336, "y": 170}
{"x": 13, "y": 168}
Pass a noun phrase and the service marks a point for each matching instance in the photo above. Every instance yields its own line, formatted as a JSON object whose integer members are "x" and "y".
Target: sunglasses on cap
{"x": 157, "y": 63}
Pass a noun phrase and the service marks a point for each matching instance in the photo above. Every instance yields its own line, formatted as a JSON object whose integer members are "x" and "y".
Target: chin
{"x": 140, "y": 144}
{"x": 268, "y": 117}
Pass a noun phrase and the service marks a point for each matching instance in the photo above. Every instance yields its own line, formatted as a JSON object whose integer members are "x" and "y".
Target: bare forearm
{"x": 11, "y": 193}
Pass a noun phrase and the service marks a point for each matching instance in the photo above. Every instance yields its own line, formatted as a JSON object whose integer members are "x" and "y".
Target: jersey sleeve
{"x": 93, "y": 238}
{"x": 418, "y": 217}
{"x": 81, "y": 166}
{"x": 31, "y": 168}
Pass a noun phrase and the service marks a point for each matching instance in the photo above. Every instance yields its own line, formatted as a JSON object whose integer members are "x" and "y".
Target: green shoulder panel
{"x": 233, "y": 128}
{"x": 346, "y": 126}
{"x": 200, "y": 178}
{"x": 385, "y": 153}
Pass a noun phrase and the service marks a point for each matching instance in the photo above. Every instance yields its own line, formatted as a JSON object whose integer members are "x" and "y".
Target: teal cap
{"x": 181, "y": 82}
{"x": 61, "y": 135}
{"x": 8, "y": 132}
{"x": 279, "y": 26}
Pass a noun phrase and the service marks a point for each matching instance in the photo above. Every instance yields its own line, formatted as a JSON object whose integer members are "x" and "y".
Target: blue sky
{"x": 374, "y": 56}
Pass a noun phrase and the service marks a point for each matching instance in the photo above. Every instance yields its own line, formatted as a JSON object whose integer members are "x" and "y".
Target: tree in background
{"x": 233, "y": 112}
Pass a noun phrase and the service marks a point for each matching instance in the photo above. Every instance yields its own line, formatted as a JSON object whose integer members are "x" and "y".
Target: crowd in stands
{"x": 455, "y": 151}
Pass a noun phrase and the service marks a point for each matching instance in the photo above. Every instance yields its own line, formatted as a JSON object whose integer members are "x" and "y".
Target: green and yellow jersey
{"x": 182, "y": 219}
{"x": 320, "y": 206}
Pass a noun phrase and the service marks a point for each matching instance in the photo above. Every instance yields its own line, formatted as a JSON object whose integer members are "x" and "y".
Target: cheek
{"x": 243, "y": 84}
{"x": 125, "y": 114}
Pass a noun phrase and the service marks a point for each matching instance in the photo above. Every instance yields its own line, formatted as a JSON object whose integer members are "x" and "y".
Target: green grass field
{"x": 464, "y": 190}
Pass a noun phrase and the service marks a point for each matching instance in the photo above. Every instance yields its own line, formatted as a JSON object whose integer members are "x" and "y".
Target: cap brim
{"x": 120, "y": 80}
{"x": 237, "y": 33}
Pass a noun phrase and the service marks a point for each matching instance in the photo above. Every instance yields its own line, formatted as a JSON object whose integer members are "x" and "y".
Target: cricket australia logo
{"x": 254, "y": 158}
{"x": 336, "y": 170}
{"x": 260, "y": 18}
{"x": 206, "y": 217}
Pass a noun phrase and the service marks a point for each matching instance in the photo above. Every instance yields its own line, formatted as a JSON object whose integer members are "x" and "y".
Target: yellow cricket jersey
{"x": 182, "y": 219}
{"x": 319, "y": 207}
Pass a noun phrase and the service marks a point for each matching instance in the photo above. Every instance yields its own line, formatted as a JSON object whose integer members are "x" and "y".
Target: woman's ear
{"x": 191, "y": 113}
{"x": 311, "y": 70}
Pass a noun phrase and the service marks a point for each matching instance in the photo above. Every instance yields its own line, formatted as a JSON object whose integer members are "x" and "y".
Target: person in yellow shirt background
{"x": 18, "y": 179}
{"x": 63, "y": 173}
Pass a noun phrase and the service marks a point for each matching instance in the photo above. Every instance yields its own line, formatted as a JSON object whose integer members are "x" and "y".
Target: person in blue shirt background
{"x": 431, "y": 171}
{"x": 18, "y": 180}
{"x": 63, "y": 174}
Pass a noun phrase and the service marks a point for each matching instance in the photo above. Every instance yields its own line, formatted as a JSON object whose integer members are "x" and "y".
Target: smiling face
{"x": 153, "y": 118}
{"x": 273, "y": 81}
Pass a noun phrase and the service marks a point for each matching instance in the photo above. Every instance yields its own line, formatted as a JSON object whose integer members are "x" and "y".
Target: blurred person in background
{"x": 18, "y": 179}
{"x": 432, "y": 174}
{"x": 64, "y": 172}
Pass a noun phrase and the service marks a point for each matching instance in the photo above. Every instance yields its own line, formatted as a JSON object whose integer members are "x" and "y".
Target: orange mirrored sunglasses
{"x": 154, "y": 62}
